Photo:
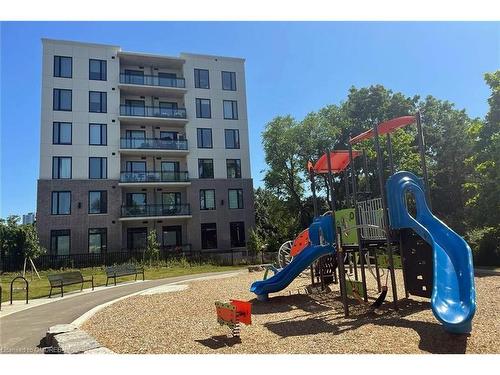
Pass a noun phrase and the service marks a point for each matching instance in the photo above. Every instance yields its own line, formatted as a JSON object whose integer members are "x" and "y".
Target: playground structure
{"x": 234, "y": 313}
{"x": 436, "y": 262}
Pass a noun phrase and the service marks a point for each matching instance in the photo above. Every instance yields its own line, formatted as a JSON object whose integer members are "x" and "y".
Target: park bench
{"x": 113, "y": 272}
{"x": 61, "y": 280}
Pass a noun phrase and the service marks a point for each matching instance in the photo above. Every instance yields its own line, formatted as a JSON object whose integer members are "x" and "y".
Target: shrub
{"x": 485, "y": 244}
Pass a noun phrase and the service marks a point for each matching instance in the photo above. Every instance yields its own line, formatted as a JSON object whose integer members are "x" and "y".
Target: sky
{"x": 291, "y": 68}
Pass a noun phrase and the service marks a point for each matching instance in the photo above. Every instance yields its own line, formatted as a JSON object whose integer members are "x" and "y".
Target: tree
{"x": 152, "y": 251}
{"x": 18, "y": 240}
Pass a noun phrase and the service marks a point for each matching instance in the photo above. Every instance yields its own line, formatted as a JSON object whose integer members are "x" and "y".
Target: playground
{"x": 184, "y": 321}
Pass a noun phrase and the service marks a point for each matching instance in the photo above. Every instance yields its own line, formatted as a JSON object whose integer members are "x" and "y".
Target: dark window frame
{"x": 238, "y": 166}
{"x": 59, "y": 233}
{"x": 199, "y": 113}
{"x": 58, "y": 140}
{"x": 105, "y": 126}
{"x": 204, "y": 227}
{"x": 204, "y": 206}
{"x": 101, "y": 109}
{"x": 239, "y": 199}
{"x": 234, "y": 110}
{"x": 200, "y": 162}
{"x": 236, "y": 139}
{"x": 101, "y": 205}
{"x": 59, "y": 167}
{"x": 199, "y": 131}
{"x": 241, "y": 228}
{"x": 57, "y": 106}
{"x": 232, "y": 80}
{"x": 197, "y": 72}
{"x": 57, "y": 66}
{"x": 101, "y": 231}
{"x": 100, "y": 70}
{"x": 105, "y": 159}
{"x": 58, "y": 193}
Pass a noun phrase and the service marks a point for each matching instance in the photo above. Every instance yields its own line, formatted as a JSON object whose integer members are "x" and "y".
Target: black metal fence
{"x": 218, "y": 257}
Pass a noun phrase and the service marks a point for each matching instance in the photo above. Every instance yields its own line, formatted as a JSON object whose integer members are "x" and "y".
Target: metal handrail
{"x": 153, "y": 176}
{"x": 149, "y": 111}
{"x": 154, "y": 143}
{"x": 155, "y": 210}
{"x": 151, "y": 80}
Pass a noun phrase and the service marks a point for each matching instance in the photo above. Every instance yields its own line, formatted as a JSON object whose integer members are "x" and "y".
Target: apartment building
{"x": 132, "y": 142}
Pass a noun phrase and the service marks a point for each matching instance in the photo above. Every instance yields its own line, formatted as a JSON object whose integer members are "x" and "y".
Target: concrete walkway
{"x": 22, "y": 331}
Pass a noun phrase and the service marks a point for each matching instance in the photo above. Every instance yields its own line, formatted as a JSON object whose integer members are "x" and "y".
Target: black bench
{"x": 123, "y": 270}
{"x": 61, "y": 280}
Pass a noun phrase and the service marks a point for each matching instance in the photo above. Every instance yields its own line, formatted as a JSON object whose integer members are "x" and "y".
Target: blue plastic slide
{"x": 453, "y": 294}
{"x": 322, "y": 243}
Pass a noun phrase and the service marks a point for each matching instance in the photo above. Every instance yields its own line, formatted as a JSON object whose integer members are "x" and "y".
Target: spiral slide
{"x": 453, "y": 294}
{"x": 322, "y": 243}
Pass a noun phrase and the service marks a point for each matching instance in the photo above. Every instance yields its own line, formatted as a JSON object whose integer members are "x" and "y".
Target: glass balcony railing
{"x": 148, "y": 80}
{"x": 154, "y": 177}
{"x": 142, "y": 111}
{"x": 143, "y": 210}
{"x": 153, "y": 144}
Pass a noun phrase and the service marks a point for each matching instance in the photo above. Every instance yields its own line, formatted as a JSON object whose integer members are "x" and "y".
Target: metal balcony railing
{"x": 148, "y": 80}
{"x": 151, "y": 210}
{"x": 143, "y": 111}
{"x": 153, "y": 144}
{"x": 154, "y": 177}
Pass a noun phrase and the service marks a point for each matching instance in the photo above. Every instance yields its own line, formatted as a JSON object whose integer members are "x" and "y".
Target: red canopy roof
{"x": 339, "y": 160}
{"x": 385, "y": 127}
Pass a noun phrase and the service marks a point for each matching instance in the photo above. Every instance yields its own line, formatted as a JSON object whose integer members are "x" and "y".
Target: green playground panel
{"x": 383, "y": 261}
{"x": 346, "y": 220}
{"x": 357, "y": 286}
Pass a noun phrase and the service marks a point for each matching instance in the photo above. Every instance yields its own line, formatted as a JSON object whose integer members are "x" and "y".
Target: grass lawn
{"x": 40, "y": 288}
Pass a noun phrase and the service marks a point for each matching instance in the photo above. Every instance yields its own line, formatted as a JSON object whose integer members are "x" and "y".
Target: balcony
{"x": 152, "y": 115}
{"x": 153, "y": 146}
{"x": 134, "y": 84}
{"x": 166, "y": 211}
{"x": 154, "y": 178}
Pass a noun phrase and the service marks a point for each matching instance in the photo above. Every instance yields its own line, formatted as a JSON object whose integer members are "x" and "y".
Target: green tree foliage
{"x": 152, "y": 251}
{"x": 19, "y": 240}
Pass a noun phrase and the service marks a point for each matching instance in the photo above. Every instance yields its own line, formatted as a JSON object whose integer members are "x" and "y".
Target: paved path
{"x": 21, "y": 332}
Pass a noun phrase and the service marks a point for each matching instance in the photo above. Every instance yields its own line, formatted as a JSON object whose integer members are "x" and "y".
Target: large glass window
{"x": 62, "y": 100}
{"x": 232, "y": 137}
{"x": 98, "y": 202}
{"x": 135, "y": 107}
{"x": 98, "y": 240}
{"x": 135, "y": 77}
{"x": 137, "y": 238}
{"x": 60, "y": 241}
{"x": 135, "y": 166}
{"x": 235, "y": 198}
{"x": 98, "y": 134}
{"x": 98, "y": 168}
{"x": 229, "y": 81}
{"x": 201, "y": 79}
{"x": 233, "y": 167}
{"x": 61, "y": 167}
{"x": 203, "y": 108}
{"x": 204, "y": 137}
{"x": 61, "y": 203}
{"x": 205, "y": 168}
{"x": 98, "y": 102}
{"x": 209, "y": 236}
{"x": 63, "y": 66}
{"x": 237, "y": 233}
{"x": 172, "y": 235}
{"x": 61, "y": 133}
{"x": 207, "y": 199}
{"x": 97, "y": 70}
{"x": 230, "y": 109}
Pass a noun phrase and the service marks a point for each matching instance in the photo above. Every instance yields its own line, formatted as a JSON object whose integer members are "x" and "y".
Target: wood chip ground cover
{"x": 184, "y": 322}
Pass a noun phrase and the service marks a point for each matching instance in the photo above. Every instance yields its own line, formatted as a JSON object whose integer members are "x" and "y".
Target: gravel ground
{"x": 290, "y": 322}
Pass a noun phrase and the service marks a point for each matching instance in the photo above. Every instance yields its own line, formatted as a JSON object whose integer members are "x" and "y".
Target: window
{"x": 232, "y": 137}
{"x": 61, "y": 203}
{"x": 233, "y": 167}
{"x": 230, "y": 109}
{"x": 201, "y": 79}
{"x": 62, "y": 100}
{"x": 209, "y": 236}
{"x": 172, "y": 235}
{"x": 207, "y": 199}
{"x": 98, "y": 202}
{"x": 167, "y": 79}
{"x": 135, "y": 77}
{"x": 98, "y": 240}
{"x": 97, "y": 70}
{"x": 229, "y": 81}
{"x": 237, "y": 233}
{"x": 98, "y": 134}
{"x": 235, "y": 198}
{"x": 135, "y": 166}
{"x": 97, "y": 102}
{"x": 61, "y": 167}
{"x": 98, "y": 168}
{"x": 61, "y": 133}
{"x": 204, "y": 138}
{"x": 205, "y": 168}
{"x": 60, "y": 241}
{"x": 133, "y": 108}
{"x": 63, "y": 66}
{"x": 203, "y": 108}
{"x": 137, "y": 238}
